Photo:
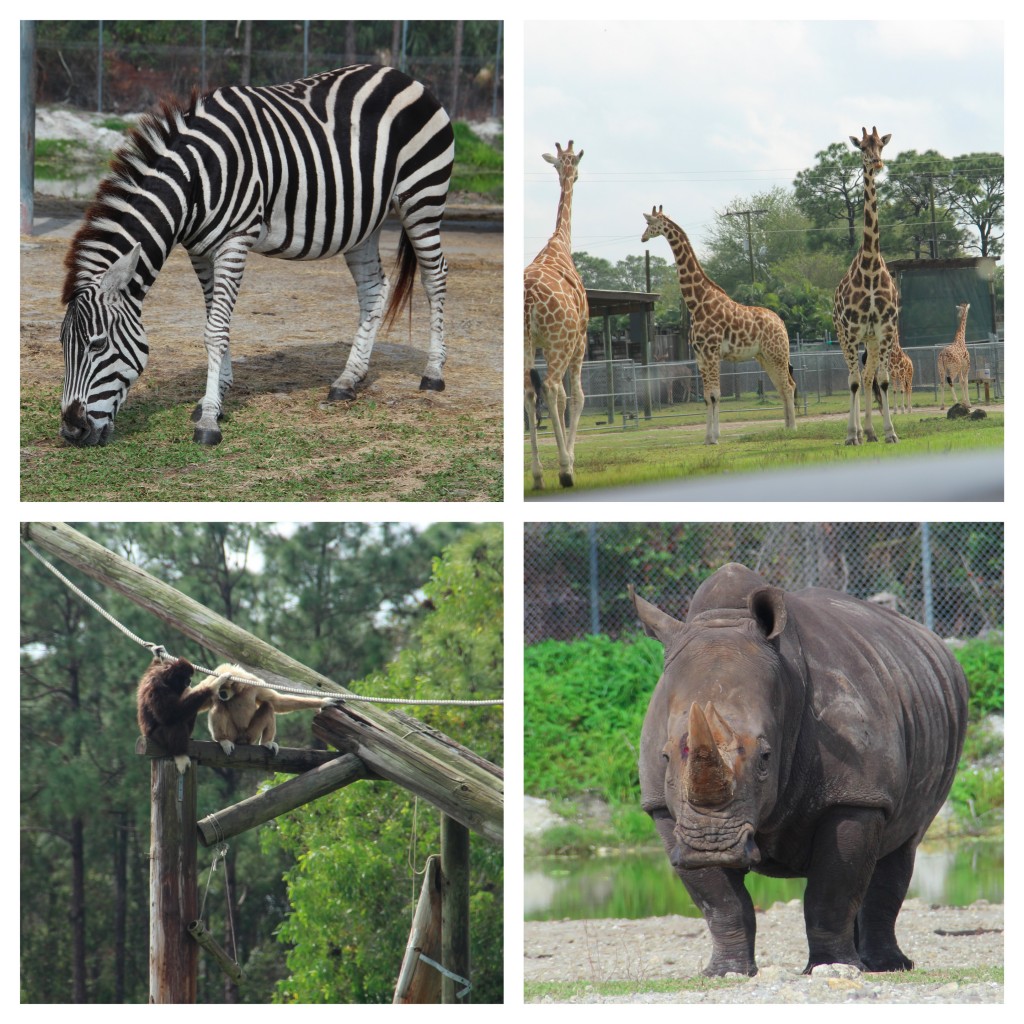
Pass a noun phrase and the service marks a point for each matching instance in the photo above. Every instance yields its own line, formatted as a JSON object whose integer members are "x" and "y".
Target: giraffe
{"x": 723, "y": 329}
{"x": 555, "y": 314}
{"x": 955, "y": 361}
{"x": 866, "y": 306}
{"x": 901, "y": 376}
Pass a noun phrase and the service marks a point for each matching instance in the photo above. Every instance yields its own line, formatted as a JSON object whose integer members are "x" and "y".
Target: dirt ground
{"x": 286, "y": 327}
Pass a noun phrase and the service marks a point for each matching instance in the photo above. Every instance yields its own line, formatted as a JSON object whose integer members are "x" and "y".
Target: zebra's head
{"x": 105, "y": 350}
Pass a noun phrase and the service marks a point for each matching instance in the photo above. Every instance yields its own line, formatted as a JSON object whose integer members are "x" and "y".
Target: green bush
{"x": 584, "y": 708}
{"x": 982, "y": 662}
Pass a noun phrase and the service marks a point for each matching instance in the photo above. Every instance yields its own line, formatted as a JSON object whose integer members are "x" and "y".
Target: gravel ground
{"x": 653, "y": 948}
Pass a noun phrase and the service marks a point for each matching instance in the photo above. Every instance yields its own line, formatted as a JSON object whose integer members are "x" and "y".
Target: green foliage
{"x": 584, "y": 704}
{"x": 358, "y": 852}
{"x": 84, "y": 801}
{"x": 479, "y": 166}
{"x": 982, "y": 661}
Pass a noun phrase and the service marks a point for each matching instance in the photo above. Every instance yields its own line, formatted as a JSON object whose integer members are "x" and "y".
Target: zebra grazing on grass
{"x": 300, "y": 171}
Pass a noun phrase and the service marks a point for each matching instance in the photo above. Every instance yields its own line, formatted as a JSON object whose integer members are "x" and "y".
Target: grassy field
{"x": 673, "y": 448}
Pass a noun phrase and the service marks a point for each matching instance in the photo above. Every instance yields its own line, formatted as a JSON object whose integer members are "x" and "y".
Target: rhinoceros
{"x": 800, "y": 735}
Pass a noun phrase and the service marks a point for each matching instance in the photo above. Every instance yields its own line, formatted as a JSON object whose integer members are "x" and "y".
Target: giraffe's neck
{"x": 693, "y": 282}
{"x": 960, "y": 339}
{"x": 870, "y": 248}
{"x": 561, "y": 240}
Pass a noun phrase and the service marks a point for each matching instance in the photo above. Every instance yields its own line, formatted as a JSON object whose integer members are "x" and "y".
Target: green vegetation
{"x": 479, "y": 166}
{"x": 567, "y": 991}
{"x": 662, "y": 451}
{"x": 584, "y": 704}
{"x": 321, "y": 902}
{"x": 301, "y": 454}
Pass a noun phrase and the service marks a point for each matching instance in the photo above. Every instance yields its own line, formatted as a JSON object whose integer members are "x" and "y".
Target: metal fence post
{"x": 926, "y": 575}
{"x": 595, "y": 613}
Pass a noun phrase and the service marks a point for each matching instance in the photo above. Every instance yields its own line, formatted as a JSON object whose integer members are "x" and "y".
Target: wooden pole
{"x": 454, "y": 908}
{"x": 172, "y": 884}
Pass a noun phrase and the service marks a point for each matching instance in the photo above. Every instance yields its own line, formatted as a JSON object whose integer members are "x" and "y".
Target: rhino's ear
{"x": 655, "y": 622}
{"x": 768, "y": 606}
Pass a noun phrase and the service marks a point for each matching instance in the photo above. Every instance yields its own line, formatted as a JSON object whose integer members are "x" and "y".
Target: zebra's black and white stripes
{"x": 299, "y": 171}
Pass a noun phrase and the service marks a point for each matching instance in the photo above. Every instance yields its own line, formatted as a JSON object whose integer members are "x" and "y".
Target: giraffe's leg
{"x": 853, "y": 430}
{"x": 710, "y": 372}
{"x": 372, "y": 290}
{"x": 554, "y": 392}
{"x": 782, "y": 379}
{"x": 882, "y": 369}
{"x": 530, "y": 396}
{"x": 576, "y": 397}
{"x": 220, "y": 274}
{"x": 942, "y": 384}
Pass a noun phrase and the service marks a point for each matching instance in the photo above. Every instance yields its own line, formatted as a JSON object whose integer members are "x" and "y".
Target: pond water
{"x": 643, "y": 884}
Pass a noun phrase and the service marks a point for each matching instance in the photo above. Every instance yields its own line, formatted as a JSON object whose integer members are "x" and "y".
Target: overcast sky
{"x": 699, "y": 115}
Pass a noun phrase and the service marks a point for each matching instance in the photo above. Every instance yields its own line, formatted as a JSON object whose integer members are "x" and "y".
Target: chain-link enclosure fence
{"x": 947, "y": 575}
{"x": 127, "y": 66}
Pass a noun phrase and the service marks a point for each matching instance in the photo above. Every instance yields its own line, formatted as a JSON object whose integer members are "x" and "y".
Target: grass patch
{"x": 662, "y": 451}
{"x": 301, "y": 453}
{"x": 944, "y": 976}
{"x": 565, "y": 991}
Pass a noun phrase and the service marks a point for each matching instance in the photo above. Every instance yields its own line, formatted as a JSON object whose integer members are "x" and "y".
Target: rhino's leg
{"x": 723, "y": 900}
{"x": 876, "y": 922}
{"x": 842, "y": 862}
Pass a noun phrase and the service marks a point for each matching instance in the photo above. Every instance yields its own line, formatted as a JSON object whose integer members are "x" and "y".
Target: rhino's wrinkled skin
{"x": 798, "y": 735}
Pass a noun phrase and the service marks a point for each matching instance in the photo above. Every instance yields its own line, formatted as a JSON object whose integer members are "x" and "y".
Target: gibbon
{"x": 168, "y": 708}
{"x": 242, "y": 713}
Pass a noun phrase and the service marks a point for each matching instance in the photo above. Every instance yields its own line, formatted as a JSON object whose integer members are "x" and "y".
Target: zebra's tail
{"x": 403, "y": 281}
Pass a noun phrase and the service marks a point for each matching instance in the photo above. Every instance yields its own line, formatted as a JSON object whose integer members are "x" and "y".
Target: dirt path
{"x": 291, "y": 334}
{"x": 652, "y": 948}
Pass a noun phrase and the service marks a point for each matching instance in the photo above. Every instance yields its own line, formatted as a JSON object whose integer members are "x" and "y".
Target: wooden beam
{"x": 474, "y": 802}
{"x": 343, "y": 770}
{"x": 290, "y": 760}
{"x": 444, "y": 783}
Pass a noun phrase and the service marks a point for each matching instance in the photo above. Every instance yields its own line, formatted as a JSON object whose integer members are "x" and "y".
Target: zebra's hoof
{"x": 207, "y": 435}
{"x": 337, "y": 394}
{"x": 431, "y": 384}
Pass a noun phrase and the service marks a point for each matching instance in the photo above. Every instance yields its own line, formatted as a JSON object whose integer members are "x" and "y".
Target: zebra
{"x": 299, "y": 171}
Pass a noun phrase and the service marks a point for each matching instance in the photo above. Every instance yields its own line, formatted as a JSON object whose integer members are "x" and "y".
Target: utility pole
{"x": 750, "y": 244}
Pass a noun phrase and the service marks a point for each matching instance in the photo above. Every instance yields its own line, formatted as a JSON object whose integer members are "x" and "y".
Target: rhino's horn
{"x": 709, "y": 780}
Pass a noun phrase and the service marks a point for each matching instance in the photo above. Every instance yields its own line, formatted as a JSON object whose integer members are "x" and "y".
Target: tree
{"x": 831, "y": 192}
{"x": 357, "y": 852}
{"x": 978, "y": 194}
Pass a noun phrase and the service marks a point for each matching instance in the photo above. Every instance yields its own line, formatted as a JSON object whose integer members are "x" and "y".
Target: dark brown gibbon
{"x": 245, "y": 713}
{"x": 168, "y": 708}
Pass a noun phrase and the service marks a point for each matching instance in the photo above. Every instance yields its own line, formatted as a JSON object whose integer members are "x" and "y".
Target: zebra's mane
{"x": 154, "y": 133}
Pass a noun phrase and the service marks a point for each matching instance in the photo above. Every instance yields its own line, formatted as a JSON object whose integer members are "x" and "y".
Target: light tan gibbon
{"x": 243, "y": 713}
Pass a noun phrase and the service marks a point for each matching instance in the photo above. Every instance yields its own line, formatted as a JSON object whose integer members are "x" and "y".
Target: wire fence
{"x": 122, "y": 67}
{"x": 623, "y": 392}
{"x": 948, "y": 576}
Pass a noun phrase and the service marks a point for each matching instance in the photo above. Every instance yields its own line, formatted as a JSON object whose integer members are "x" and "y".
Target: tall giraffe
{"x": 723, "y": 329}
{"x": 955, "y": 361}
{"x": 866, "y": 307}
{"x": 555, "y": 314}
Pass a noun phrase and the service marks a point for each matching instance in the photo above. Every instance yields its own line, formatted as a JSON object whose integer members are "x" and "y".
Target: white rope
{"x": 159, "y": 651}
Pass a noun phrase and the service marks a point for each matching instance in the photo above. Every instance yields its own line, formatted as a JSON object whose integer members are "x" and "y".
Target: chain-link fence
{"x": 947, "y": 575}
{"x": 126, "y": 66}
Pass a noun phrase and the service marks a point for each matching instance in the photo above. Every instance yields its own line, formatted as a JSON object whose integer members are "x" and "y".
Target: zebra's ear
{"x": 121, "y": 271}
